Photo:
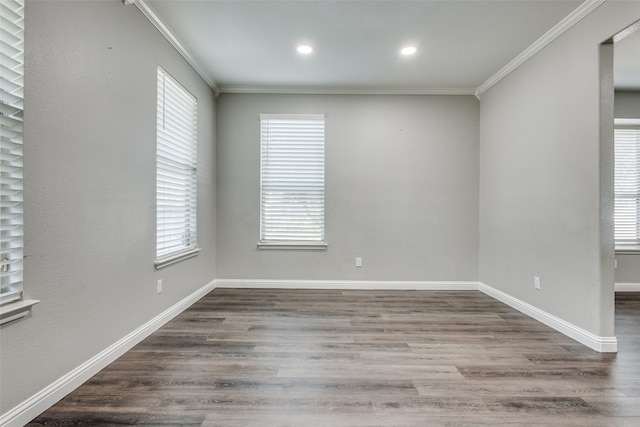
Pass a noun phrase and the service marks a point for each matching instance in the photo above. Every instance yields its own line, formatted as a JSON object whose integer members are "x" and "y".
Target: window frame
{"x": 297, "y": 243}
{"x": 13, "y": 306}
{"x": 633, "y": 246}
{"x": 176, "y": 171}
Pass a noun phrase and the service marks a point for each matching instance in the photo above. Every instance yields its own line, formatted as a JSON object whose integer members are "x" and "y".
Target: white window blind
{"x": 176, "y": 191}
{"x": 292, "y": 179}
{"x": 627, "y": 186}
{"x": 11, "y": 118}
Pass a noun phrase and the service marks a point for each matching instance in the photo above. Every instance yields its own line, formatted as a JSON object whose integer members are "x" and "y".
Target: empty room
{"x": 355, "y": 213}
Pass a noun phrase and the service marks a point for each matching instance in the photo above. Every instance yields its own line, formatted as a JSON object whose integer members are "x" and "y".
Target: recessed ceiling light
{"x": 409, "y": 50}
{"x": 304, "y": 49}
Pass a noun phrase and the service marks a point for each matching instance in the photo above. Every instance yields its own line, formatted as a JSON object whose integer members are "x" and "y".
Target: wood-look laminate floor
{"x": 362, "y": 358}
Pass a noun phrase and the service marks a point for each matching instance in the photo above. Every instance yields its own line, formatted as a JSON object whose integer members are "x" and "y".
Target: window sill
{"x": 293, "y": 246}
{"x": 15, "y": 310}
{"x": 174, "y": 258}
{"x": 627, "y": 249}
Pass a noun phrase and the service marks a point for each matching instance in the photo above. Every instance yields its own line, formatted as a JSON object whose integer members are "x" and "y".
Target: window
{"x": 292, "y": 181}
{"x": 176, "y": 178}
{"x": 12, "y": 306}
{"x": 627, "y": 187}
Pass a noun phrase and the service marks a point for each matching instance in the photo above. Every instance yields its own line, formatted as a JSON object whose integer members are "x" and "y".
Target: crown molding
{"x": 576, "y": 16}
{"x": 151, "y": 15}
{"x": 573, "y": 18}
{"x": 626, "y": 32}
{"x": 304, "y": 90}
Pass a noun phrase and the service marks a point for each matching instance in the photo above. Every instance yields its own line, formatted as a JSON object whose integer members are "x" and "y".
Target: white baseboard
{"x": 47, "y": 397}
{"x": 597, "y": 343}
{"x": 627, "y": 287}
{"x": 348, "y": 284}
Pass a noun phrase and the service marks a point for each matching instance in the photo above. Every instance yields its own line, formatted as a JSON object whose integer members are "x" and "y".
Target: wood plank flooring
{"x": 246, "y": 357}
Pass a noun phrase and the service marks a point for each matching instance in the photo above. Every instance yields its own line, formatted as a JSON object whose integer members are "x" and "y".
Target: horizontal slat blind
{"x": 11, "y": 118}
{"x": 627, "y": 186}
{"x": 292, "y": 178}
{"x": 176, "y": 178}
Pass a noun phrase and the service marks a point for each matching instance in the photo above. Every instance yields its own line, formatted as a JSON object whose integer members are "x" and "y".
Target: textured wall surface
{"x": 421, "y": 187}
{"x": 401, "y": 188}
{"x": 90, "y": 118}
{"x": 546, "y": 177}
{"x": 627, "y": 104}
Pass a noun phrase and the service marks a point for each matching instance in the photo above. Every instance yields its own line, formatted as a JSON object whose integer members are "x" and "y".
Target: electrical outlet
{"x": 536, "y": 282}
{"x": 160, "y": 286}
{"x": 358, "y": 262}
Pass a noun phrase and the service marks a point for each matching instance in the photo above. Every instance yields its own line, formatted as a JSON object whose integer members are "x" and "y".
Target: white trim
{"x": 626, "y": 122}
{"x": 398, "y": 285}
{"x": 16, "y": 310}
{"x": 10, "y": 296}
{"x": 627, "y": 287}
{"x": 174, "y": 258}
{"x": 302, "y": 90}
{"x": 573, "y": 18}
{"x": 626, "y": 32}
{"x": 151, "y": 15}
{"x": 295, "y": 116}
{"x": 300, "y": 246}
{"x": 48, "y": 396}
{"x": 597, "y": 343}
{"x": 627, "y": 250}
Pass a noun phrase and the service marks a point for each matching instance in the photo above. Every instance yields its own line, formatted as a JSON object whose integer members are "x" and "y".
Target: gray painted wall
{"x": 627, "y": 105}
{"x": 628, "y": 270}
{"x": 542, "y": 193}
{"x": 401, "y": 188}
{"x": 90, "y": 188}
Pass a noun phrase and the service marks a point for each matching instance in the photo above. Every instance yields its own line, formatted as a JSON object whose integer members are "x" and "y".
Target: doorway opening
{"x": 625, "y": 46}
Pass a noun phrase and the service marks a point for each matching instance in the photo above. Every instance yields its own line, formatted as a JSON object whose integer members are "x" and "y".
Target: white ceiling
{"x": 249, "y": 46}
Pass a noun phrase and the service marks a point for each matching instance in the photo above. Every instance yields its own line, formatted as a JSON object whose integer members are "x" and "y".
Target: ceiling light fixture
{"x": 409, "y": 50}
{"x": 304, "y": 49}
